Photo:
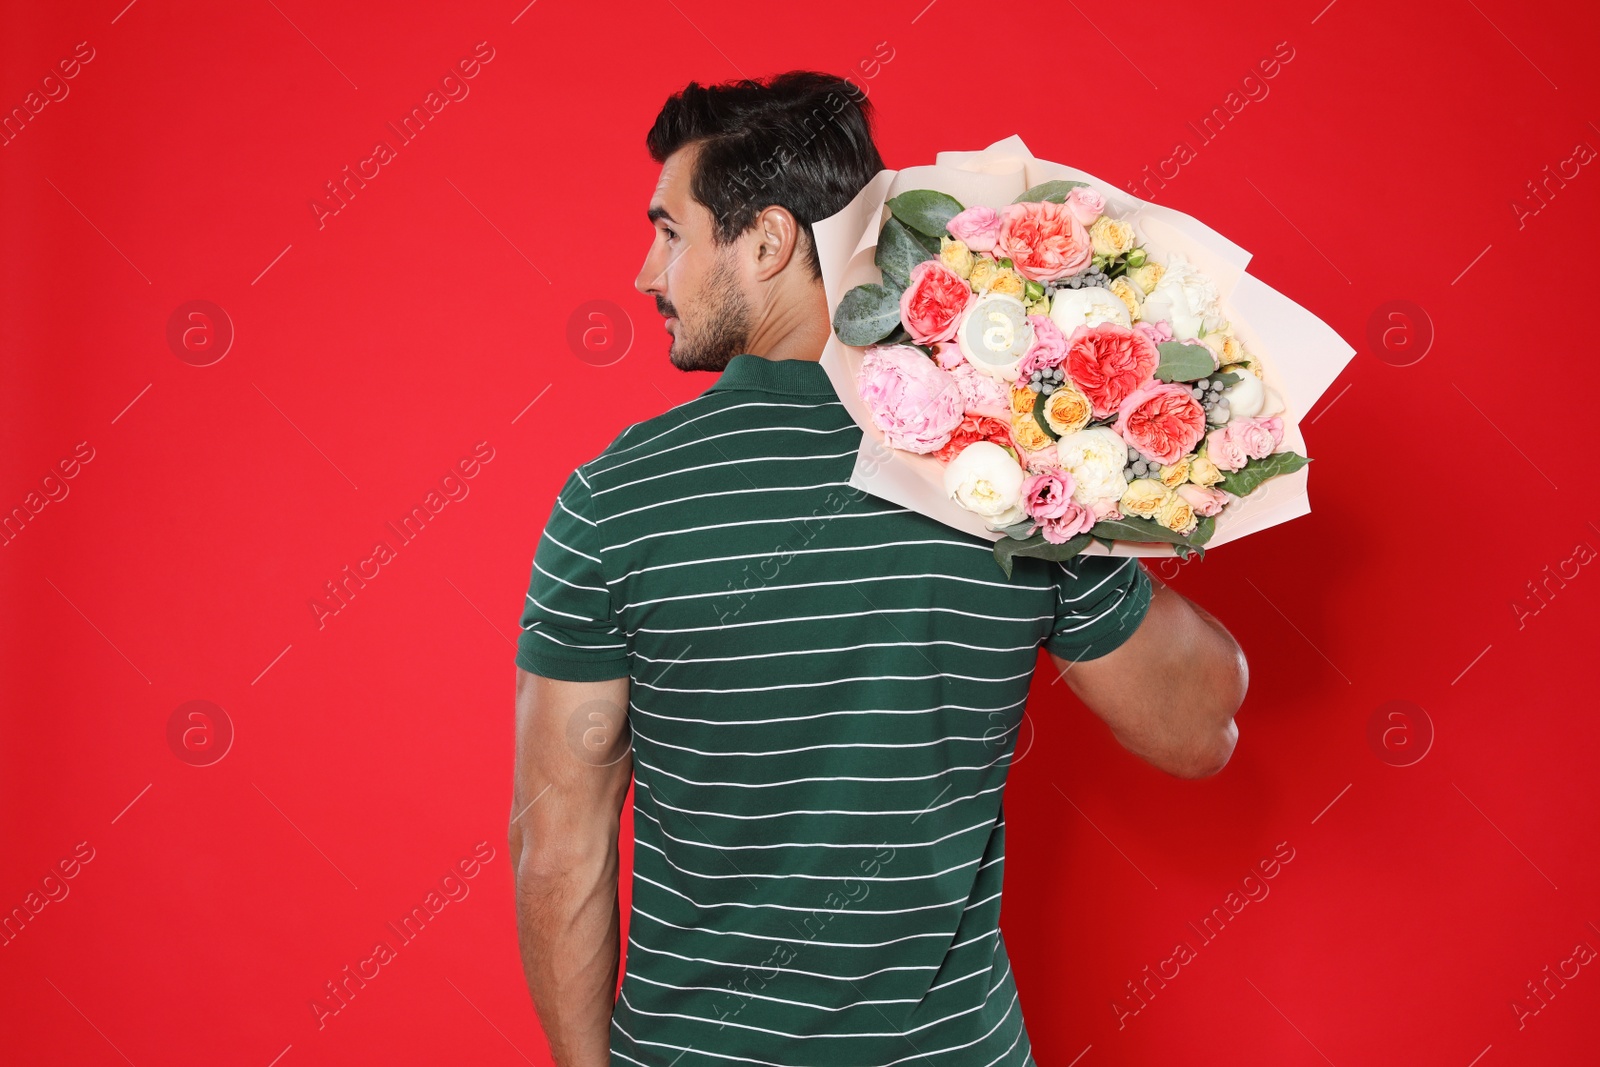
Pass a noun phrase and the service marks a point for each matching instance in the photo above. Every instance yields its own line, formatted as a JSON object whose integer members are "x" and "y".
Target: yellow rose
{"x": 1148, "y": 276}
{"x": 982, "y": 275}
{"x": 1177, "y": 514}
{"x": 955, "y": 255}
{"x": 1067, "y": 410}
{"x": 1040, "y": 306}
{"x": 1023, "y": 399}
{"x": 1008, "y": 283}
{"x": 1224, "y": 346}
{"x": 1110, "y": 237}
{"x": 1176, "y": 474}
{"x": 1129, "y": 294}
{"x": 1204, "y": 472}
{"x": 1028, "y": 433}
{"x": 1144, "y": 497}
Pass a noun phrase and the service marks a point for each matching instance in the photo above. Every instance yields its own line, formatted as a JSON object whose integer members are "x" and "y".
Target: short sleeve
{"x": 570, "y": 629}
{"x": 1100, "y": 601}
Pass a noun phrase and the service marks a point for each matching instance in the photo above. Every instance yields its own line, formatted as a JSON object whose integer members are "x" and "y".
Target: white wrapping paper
{"x": 1300, "y": 354}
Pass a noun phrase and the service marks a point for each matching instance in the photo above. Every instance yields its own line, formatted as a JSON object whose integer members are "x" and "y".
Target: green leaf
{"x": 1133, "y": 528}
{"x": 1244, "y": 481}
{"x": 1182, "y": 362}
{"x": 1008, "y": 549}
{"x": 1227, "y": 377}
{"x": 1054, "y": 191}
{"x": 1107, "y": 541}
{"x": 898, "y": 251}
{"x": 1021, "y": 530}
{"x": 1202, "y": 531}
{"x": 867, "y": 314}
{"x": 1038, "y": 416}
{"x": 925, "y": 210}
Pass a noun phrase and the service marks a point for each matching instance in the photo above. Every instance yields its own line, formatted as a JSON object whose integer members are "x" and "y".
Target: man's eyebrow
{"x": 657, "y": 213}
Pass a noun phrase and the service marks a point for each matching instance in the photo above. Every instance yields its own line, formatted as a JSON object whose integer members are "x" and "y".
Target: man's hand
{"x": 573, "y": 766}
{"x": 1169, "y": 692}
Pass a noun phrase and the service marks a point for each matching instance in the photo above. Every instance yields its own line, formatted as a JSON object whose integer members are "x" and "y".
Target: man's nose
{"x": 650, "y": 277}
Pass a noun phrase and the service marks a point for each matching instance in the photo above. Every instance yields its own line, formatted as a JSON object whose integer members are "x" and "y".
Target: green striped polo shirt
{"x": 826, "y": 691}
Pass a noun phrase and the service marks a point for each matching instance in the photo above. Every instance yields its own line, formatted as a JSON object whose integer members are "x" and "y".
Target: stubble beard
{"x": 724, "y": 325}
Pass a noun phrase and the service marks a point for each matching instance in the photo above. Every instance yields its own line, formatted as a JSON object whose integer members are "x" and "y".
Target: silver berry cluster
{"x": 1046, "y": 381}
{"x": 1092, "y": 275}
{"x": 1139, "y": 467}
{"x": 1209, "y": 392}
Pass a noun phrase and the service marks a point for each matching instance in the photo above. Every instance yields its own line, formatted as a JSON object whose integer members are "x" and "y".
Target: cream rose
{"x": 1177, "y": 514}
{"x": 955, "y": 255}
{"x": 1095, "y": 457}
{"x": 1110, "y": 237}
{"x": 1144, "y": 497}
{"x": 986, "y": 480}
{"x": 1147, "y": 277}
{"x": 1129, "y": 294}
{"x": 1204, "y": 472}
{"x": 1067, "y": 410}
{"x": 1175, "y": 474}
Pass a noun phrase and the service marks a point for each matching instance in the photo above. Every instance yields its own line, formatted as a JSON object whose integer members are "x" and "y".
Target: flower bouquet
{"x": 1064, "y": 368}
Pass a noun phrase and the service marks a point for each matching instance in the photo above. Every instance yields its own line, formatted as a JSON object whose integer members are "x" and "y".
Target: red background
{"x": 373, "y": 352}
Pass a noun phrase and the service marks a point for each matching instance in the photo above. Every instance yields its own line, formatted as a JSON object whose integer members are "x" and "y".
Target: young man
{"x": 816, "y": 693}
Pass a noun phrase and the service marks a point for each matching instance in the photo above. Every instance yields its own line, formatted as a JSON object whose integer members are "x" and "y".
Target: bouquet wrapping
{"x": 1039, "y": 358}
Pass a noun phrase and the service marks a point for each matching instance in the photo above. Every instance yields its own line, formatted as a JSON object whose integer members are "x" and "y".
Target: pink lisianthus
{"x": 1159, "y": 332}
{"x": 1049, "y": 347}
{"x": 1044, "y": 241}
{"x": 1203, "y": 499}
{"x": 976, "y": 227}
{"x": 1242, "y": 439}
{"x": 915, "y": 403}
{"x": 933, "y": 302}
{"x": 1086, "y": 204}
{"x": 1109, "y": 361}
{"x": 1162, "y": 420}
{"x": 1047, "y": 500}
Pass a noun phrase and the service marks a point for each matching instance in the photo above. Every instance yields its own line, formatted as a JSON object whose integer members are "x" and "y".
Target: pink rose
{"x": 976, "y": 228}
{"x": 1204, "y": 500}
{"x": 1106, "y": 508}
{"x": 914, "y": 403}
{"x": 1109, "y": 361}
{"x": 948, "y": 355}
{"x": 1244, "y": 439}
{"x": 932, "y": 304}
{"x": 981, "y": 394}
{"x": 1085, "y": 204}
{"x": 1047, "y": 499}
{"x": 1159, "y": 332}
{"x": 1162, "y": 420}
{"x": 1045, "y": 241}
{"x": 1048, "y": 350}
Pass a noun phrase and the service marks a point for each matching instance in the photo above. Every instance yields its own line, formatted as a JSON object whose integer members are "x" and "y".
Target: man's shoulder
{"x": 631, "y": 441}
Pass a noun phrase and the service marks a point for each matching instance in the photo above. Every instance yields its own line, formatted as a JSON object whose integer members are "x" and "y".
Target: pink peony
{"x": 981, "y": 394}
{"x": 1045, "y": 241}
{"x": 932, "y": 304}
{"x": 976, "y": 228}
{"x": 1159, "y": 332}
{"x": 1162, "y": 420}
{"x": 1086, "y": 204}
{"x": 1049, "y": 347}
{"x": 1203, "y": 499}
{"x": 1244, "y": 439}
{"x": 911, "y": 400}
{"x": 1109, "y": 361}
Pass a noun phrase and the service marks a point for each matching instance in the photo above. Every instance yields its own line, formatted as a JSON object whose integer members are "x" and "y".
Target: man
{"x": 815, "y": 693}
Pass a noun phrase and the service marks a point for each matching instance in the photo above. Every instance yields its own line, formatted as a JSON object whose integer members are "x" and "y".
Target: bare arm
{"x": 573, "y": 766}
{"x": 1169, "y": 692}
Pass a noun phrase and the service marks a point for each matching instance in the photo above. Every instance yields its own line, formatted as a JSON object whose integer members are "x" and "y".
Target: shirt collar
{"x": 804, "y": 377}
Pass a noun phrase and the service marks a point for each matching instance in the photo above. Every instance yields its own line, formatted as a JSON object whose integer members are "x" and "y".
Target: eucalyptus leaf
{"x": 1227, "y": 377}
{"x": 898, "y": 252}
{"x": 1203, "y": 529}
{"x": 1246, "y": 479}
{"x": 1038, "y": 416}
{"x": 925, "y": 210}
{"x": 1182, "y": 362}
{"x": 1007, "y": 549}
{"x": 1109, "y": 542}
{"x": 1053, "y": 191}
{"x": 1133, "y": 528}
{"x": 867, "y": 314}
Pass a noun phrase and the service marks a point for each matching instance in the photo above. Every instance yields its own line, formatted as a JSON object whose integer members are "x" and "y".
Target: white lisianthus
{"x": 1186, "y": 298}
{"x": 986, "y": 480}
{"x": 1088, "y": 306}
{"x": 1095, "y": 458}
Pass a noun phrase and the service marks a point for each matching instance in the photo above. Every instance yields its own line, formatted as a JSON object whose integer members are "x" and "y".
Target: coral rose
{"x": 1045, "y": 241}
{"x": 1162, "y": 420}
{"x": 933, "y": 302}
{"x": 1109, "y": 361}
{"x": 974, "y": 428}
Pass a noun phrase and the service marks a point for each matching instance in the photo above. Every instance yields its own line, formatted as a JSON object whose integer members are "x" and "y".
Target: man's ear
{"x": 778, "y": 238}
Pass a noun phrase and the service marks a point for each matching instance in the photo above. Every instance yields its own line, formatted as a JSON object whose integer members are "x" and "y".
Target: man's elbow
{"x": 1209, "y": 759}
{"x": 1217, "y": 745}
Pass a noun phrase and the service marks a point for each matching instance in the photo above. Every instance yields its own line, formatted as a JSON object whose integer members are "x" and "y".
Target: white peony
{"x": 986, "y": 480}
{"x": 1248, "y": 398}
{"x": 1095, "y": 458}
{"x": 1088, "y": 306}
{"x": 1186, "y": 298}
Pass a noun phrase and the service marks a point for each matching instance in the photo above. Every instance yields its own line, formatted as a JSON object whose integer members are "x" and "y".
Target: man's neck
{"x": 797, "y": 329}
